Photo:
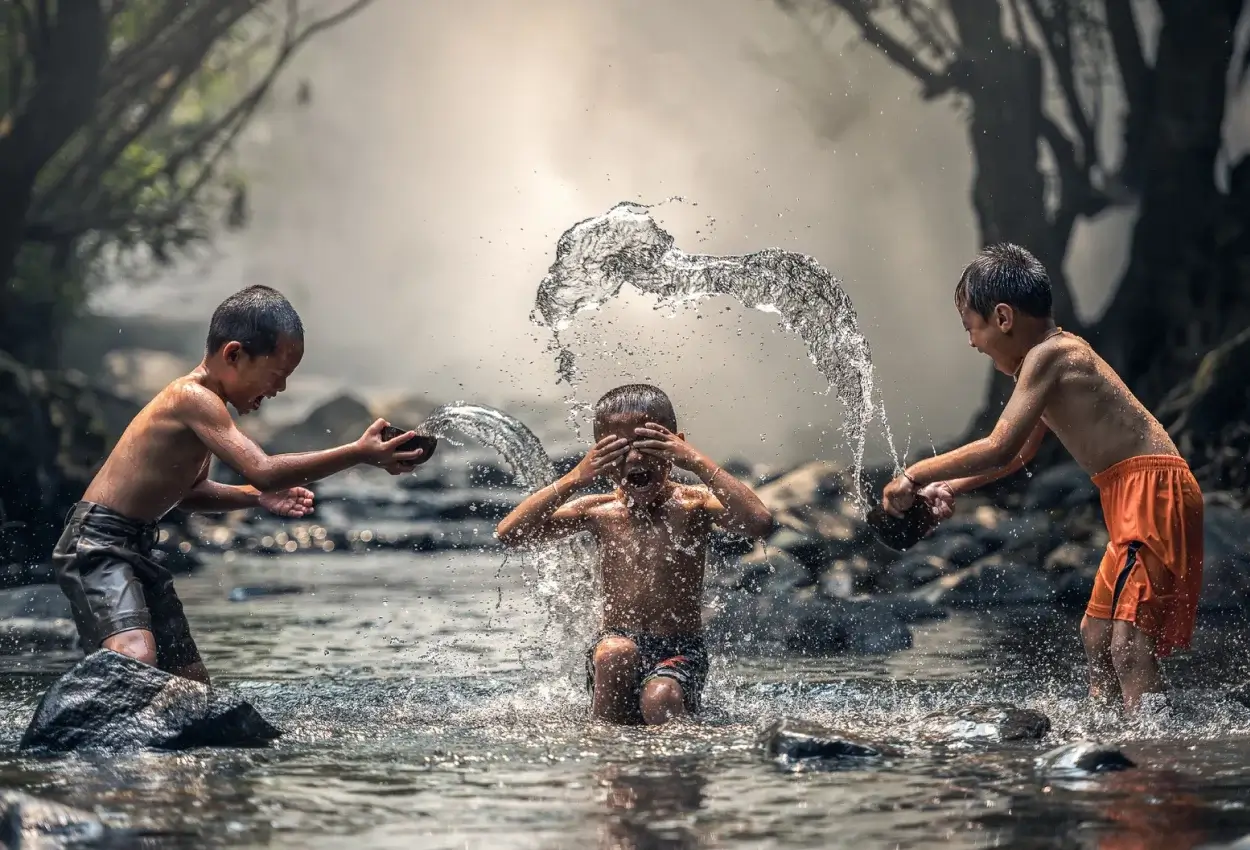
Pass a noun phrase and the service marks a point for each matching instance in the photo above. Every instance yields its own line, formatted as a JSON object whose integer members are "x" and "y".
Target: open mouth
{"x": 639, "y": 478}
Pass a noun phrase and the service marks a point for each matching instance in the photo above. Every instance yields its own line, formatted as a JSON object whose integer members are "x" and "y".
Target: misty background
{"x": 411, "y": 208}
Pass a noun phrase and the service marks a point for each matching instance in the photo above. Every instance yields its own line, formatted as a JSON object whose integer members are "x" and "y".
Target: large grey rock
{"x": 1063, "y": 486}
{"x": 111, "y": 702}
{"x": 794, "y": 741}
{"x": 1081, "y": 758}
{"x": 992, "y": 722}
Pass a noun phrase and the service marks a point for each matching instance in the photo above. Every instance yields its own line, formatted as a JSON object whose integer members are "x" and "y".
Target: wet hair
{"x": 257, "y": 318}
{"x": 1005, "y": 274}
{"x": 635, "y": 399}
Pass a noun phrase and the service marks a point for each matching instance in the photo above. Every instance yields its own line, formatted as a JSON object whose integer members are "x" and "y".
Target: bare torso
{"x": 652, "y": 562}
{"x": 155, "y": 463}
{"x": 1098, "y": 420}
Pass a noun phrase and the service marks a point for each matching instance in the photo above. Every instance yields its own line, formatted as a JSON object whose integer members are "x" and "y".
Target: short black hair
{"x": 635, "y": 399}
{"x": 256, "y": 318}
{"x": 1005, "y": 274}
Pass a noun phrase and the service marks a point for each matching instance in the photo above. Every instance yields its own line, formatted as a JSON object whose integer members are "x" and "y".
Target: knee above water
{"x": 616, "y": 653}
{"x": 662, "y": 690}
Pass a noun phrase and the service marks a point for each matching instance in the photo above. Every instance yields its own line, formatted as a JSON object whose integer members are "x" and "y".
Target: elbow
{"x": 263, "y": 477}
{"x": 1002, "y": 455}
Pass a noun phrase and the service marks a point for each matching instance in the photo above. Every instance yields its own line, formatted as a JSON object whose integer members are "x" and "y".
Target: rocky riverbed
{"x": 822, "y": 583}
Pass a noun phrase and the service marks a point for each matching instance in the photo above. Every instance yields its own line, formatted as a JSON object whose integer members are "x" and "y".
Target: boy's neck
{"x": 1031, "y": 333}
{"x": 207, "y": 373}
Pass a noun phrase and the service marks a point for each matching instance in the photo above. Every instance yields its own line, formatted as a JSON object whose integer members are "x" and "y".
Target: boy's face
{"x": 250, "y": 380}
{"x": 640, "y": 477}
{"x": 992, "y": 336}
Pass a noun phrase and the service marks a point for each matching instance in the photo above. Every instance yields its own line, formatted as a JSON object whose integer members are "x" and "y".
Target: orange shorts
{"x": 1152, "y": 573}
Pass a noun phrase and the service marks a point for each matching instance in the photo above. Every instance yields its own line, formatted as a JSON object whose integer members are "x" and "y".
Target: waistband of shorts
{"x": 1133, "y": 465}
{"x": 83, "y": 511}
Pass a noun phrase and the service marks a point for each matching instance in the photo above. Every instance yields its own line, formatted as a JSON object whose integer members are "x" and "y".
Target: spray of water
{"x": 598, "y": 256}
{"x": 561, "y": 575}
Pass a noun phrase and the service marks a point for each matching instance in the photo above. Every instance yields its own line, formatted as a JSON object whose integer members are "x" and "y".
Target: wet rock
{"x": 905, "y": 532}
{"x": 821, "y": 626}
{"x": 340, "y": 420}
{"x": 1080, "y": 758}
{"x": 815, "y": 483}
{"x": 1074, "y": 588}
{"x": 40, "y": 602}
{"x": 849, "y": 576}
{"x": 22, "y": 635}
{"x": 772, "y": 571}
{"x": 1063, "y": 486}
{"x": 1073, "y": 556}
{"x": 807, "y": 547}
{"x": 256, "y": 591}
{"x": 111, "y": 702}
{"x": 986, "y": 722}
{"x": 991, "y": 582}
{"x": 958, "y": 550}
{"x": 911, "y": 571}
{"x": 1226, "y": 563}
{"x": 27, "y": 821}
{"x": 1027, "y": 536}
{"x": 797, "y": 741}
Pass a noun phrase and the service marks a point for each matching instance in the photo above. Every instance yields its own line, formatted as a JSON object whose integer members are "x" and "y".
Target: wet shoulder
{"x": 597, "y": 504}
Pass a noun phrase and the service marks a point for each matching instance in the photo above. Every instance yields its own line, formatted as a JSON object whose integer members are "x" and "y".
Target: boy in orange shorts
{"x": 1145, "y": 597}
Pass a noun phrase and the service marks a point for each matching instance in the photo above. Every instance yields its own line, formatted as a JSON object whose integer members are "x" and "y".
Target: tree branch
{"x": 934, "y": 83}
{"x": 1057, "y": 36}
{"x": 1138, "y": 81}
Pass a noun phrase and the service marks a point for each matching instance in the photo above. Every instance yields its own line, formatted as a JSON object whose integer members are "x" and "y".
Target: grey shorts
{"x": 682, "y": 658}
{"x": 103, "y": 564}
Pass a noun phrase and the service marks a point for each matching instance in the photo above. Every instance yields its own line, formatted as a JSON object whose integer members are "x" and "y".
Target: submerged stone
{"x": 27, "y": 821}
{"x": 111, "y": 702}
{"x": 797, "y": 740}
{"x": 986, "y": 722}
{"x": 1079, "y": 758}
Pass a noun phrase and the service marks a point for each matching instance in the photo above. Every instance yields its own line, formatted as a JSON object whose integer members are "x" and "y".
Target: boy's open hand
{"x": 940, "y": 498}
{"x": 603, "y": 455}
{"x": 384, "y": 453}
{"x": 295, "y": 502}
{"x": 657, "y": 441}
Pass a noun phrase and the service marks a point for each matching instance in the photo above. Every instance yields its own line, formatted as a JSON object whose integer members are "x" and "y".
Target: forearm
{"x": 281, "y": 472}
{"x": 535, "y": 510}
{"x": 960, "y": 486}
{"x": 210, "y": 497}
{"x": 744, "y": 512}
{"x": 979, "y": 459}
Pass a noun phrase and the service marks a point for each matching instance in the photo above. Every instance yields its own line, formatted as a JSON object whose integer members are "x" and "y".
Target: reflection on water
{"x": 423, "y": 710}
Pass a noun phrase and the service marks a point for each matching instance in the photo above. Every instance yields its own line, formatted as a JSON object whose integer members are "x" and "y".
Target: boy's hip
{"x": 1155, "y": 501}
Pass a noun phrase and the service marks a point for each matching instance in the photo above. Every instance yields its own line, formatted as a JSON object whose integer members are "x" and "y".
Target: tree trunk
{"x": 1186, "y": 288}
{"x": 1004, "y": 84}
{"x": 68, "y": 56}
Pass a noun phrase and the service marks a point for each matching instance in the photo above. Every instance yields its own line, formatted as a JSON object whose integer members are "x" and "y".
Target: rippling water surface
{"x": 424, "y": 707}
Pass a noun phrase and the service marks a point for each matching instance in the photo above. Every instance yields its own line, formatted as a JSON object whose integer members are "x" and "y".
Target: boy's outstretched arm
{"x": 544, "y": 515}
{"x": 205, "y": 413}
{"x": 735, "y": 505}
{"x": 959, "y": 486}
{"x": 984, "y": 457}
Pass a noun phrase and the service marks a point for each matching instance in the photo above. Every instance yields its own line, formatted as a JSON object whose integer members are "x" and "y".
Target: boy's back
{"x": 1087, "y": 405}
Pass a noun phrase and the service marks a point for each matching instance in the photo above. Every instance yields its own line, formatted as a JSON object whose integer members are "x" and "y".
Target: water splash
{"x": 561, "y": 574}
{"x": 598, "y": 256}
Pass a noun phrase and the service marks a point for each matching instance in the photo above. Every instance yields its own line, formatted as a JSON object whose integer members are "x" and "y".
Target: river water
{"x": 424, "y": 707}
